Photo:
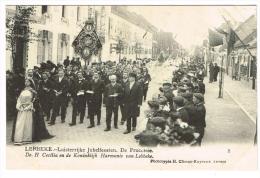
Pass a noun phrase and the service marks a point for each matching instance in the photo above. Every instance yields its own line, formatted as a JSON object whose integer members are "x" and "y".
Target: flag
{"x": 221, "y": 31}
{"x": 231, "y": 40}
{"x": 215, "y": 38}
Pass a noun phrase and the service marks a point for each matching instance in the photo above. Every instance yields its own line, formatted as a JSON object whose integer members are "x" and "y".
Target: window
{"x": 44, "y": 9}
{"x": 63, "y": 46}
{"x": 90, "y": 13}
{"x": 44, "y": 50}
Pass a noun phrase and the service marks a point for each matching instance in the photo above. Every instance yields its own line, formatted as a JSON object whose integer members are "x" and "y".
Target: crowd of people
{"x": 45, "y": 92}
{"x": 213, "y": 72}
{"x": 176, "y": 115}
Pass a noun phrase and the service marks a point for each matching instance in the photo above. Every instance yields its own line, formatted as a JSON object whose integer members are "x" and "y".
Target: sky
{"x": 190, "y": 24}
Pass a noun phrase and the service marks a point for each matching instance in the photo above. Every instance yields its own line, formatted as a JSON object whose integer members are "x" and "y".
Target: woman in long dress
{"x": 38, "y": 131}
{"x": 24, "y": 123}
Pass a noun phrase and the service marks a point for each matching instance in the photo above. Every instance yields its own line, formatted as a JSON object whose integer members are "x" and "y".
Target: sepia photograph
{"x": 131, "y": 87}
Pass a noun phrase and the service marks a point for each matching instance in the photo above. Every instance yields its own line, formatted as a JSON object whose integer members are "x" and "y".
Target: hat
{"x": 187, "y": 96}
{"x": 199, "y": 96}
{"x": 36, "y": 67}
{"x": 178, "y": 100}
{"x": 166, "y": 83}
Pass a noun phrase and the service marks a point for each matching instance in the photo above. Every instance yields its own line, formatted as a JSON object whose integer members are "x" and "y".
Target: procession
{"x": 152, "y": 93}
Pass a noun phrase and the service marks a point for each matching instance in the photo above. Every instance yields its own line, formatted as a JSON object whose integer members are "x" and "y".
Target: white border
{"x": 44, "y": 174}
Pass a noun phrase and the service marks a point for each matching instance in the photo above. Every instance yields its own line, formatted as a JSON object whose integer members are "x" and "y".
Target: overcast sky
{"x": 191, "y": 23}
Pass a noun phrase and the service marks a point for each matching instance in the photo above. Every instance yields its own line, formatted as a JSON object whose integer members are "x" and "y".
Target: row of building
{"x": 58, "y": 26}
{"x": 241, "y": 63}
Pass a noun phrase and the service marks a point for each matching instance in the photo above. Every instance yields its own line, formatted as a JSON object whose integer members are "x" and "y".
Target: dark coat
{"x": 191, "y": 110}
{"x": 216, "y": 70}
{"x": 132, "y": 98}
{"x": 62, "y": 86}
{"x": 95, "y": 100}
{"x": 201, "y": 87}
{"x": 46, "y": 91}
{"x": 110, "y": 90}
{"x": 147, "y": 79}
{"x": 183, "y": 115}
{"x": 77, "y": 86}
{"x": 198, "y": 120}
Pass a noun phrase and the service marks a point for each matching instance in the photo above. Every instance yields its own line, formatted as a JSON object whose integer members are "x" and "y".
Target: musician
{"x": 78, "y": 88}
{"x": 60, "y": 89}
{"x": 46, "y": 94}
{"x": 132, "y": 102}
{"x": 112, "y": 98}
{"x": 94, "y": 96}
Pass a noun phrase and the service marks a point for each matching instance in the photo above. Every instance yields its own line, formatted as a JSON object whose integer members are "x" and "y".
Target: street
{"x": 226, "y": 122}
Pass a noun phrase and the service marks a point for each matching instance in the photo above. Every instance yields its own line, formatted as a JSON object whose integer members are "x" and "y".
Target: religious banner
{"x": 87, "y": 41}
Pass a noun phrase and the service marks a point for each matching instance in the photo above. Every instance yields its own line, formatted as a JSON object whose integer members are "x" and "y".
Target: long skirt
{"x": 23, "y": 127}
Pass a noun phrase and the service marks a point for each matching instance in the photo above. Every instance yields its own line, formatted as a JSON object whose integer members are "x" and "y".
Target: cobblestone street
{"x": 226, "y": 121}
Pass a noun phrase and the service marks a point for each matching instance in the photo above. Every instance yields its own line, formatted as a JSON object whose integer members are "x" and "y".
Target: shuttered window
{"x": 63, "y": 46}
{"x": 50, "y": 40}
{"x": 40, "y": 47}
{"x": 59, "y": 45}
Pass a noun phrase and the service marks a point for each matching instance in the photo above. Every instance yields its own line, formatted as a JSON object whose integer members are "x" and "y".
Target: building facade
{"x": 119, "y": 31}
{"x": 241, "y": 63}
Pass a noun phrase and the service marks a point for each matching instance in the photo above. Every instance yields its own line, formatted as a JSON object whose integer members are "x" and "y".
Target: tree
{"x": 19, "y": 34}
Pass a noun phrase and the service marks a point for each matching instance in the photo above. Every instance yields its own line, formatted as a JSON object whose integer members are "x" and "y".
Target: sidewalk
{"x": 226, "y": 121}
{"x": 243, "y": 95}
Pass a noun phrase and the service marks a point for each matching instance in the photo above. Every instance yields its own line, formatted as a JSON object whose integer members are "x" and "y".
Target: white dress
{"x": 24, "y": 122}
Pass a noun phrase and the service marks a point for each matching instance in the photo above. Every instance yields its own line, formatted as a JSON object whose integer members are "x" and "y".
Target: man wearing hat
{"x": 95, "y": 99}
{"x": 198, "y": 120}
{"x": 132, "y": 102}
{"x": 124, "y": 82}
{"x": 178, "y": 102}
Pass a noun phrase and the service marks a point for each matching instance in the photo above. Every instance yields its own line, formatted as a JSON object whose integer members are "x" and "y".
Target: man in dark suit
{"x": 201, "y": 86}
{"x": 60, "y": 89}
{"x": 112, "y": 98}
{"x": 189, "y": 105}
{"x": 132, "y": 102}
{"x": 215, "y": 72}
{"x": 124, "y": 82}
{"x": 94, "y": 96}
{"x": 199, "y": 118}
{"x": 147, "y": 79}
{"x": 78, "y": 88}
{"x": 66, "y": 62}
{"x": 46, "y": 94}
{"x": 179, "y": 106}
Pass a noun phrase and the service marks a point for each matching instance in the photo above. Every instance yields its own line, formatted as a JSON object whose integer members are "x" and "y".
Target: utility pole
{"x": 221, "y": 81}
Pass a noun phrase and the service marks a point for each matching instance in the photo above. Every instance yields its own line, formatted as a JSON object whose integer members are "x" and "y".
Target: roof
{"x": 133, "y": 18}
